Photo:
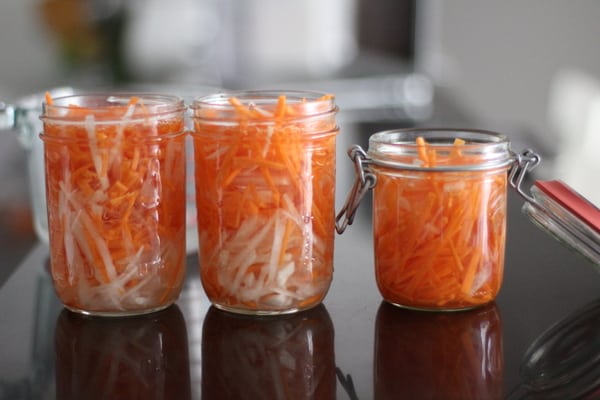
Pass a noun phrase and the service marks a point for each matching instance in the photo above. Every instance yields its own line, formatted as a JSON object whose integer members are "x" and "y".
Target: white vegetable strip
{"x": 271, "y": 286}
{"x": 115, "y": 151}
{"x": 90, "y": 128}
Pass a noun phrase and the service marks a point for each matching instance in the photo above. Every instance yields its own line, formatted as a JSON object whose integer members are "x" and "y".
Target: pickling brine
{"x": 265, "y": 188}
{"x": 439, "y": 240}
{"x": 115, "y": 183}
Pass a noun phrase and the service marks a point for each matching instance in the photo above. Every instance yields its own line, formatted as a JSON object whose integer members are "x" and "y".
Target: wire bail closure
{"x": 365, "y": 180}
{"x": 525, "y": 162}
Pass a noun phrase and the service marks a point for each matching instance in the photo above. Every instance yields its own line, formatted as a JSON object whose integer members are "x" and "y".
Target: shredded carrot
{"x": 265, "y": 202}
{"x": 281, "y": 107}
{"x": 116, "y": 208}
{"x": 48, "y": 98}
{"x": 439, "y": 236}
{"x": 423, "y": 156}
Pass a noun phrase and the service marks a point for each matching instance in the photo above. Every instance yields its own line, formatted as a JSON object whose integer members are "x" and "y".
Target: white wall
{"x": 499, "y": 56}
{"x": 28, "y": 58}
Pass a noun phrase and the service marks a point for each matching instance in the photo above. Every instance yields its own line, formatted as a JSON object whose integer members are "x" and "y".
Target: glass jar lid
{"x": 559, "y": 210}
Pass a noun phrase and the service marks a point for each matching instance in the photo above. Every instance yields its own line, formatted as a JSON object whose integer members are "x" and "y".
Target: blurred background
{"x": 529, "y": 69}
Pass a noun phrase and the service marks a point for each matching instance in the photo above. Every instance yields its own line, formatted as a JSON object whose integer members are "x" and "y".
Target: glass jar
{"x": 23, "y": 116}
{"x": 265, "y": 190}
{"x": 439, "y": 215}
{"x": 563, "y": 213}
{"x": 115, "y": 185}
{"x": 260, "y": 357}
{"x": 454, "y": 356}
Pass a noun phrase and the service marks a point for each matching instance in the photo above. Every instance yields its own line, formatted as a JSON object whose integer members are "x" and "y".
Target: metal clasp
{"x": 526, "y": 161}
{"x": 365, "y": 180}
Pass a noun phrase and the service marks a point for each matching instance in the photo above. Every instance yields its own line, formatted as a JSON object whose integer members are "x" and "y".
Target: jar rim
{"x": 110, "y": 107}
{"x": 268, "y": 95}
{"x": 303, "y": 103}
{"x": 479, "y": 149}
{"x": 474, "y": 135}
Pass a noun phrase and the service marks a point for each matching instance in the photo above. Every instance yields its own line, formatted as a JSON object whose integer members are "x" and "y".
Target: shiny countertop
{"x": 353, "y": 346}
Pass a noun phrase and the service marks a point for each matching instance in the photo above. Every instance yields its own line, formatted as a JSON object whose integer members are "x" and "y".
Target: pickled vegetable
{"x": 439, "y": 236}
{"x": 116, "y": 206}
{"x": 265, "y": 182}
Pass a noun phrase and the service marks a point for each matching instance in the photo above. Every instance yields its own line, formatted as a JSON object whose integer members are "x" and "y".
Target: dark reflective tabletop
{"x": 353, "y": 346}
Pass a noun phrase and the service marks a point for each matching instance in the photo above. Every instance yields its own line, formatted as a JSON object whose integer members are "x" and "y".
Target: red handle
{"x": 572, "y": 201}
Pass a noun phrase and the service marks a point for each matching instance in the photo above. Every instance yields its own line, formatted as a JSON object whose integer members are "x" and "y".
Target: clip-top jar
{"x": 439, "y": 215}
{"x": 115, "y": 184}
{"x": 265, "y": 189}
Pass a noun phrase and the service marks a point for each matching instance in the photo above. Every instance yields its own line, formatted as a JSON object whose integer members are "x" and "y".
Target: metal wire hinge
{"x": 365, "y": 181}
{"x": 526, "y": 161}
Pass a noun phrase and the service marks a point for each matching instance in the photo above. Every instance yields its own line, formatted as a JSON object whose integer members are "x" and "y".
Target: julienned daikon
{"x": 115, "y": 171}
{"x": 265, "y": 185}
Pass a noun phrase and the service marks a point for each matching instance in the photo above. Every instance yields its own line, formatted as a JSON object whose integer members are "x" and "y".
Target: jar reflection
{"x": 144, "y": 357}
{"x": 268, "y": 357}
{"x": 438, "y": 355}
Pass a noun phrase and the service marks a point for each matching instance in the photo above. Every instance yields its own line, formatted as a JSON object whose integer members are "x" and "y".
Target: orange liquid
{"x": 265, "y": 202}
{"x": 116, "y": 212}
{"x": 439, "y": 237}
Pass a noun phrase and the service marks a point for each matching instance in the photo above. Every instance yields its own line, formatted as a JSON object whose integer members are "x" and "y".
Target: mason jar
{"x": 23, "y": 117}
{"x": 115, "y": 185}
{"x": 265, "y": 189}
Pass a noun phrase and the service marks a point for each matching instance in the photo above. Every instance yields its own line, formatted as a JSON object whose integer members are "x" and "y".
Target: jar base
{"x": 243, "y": 311}
{"x": 437, "y": 309}
{"x": 118, "y": 314}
